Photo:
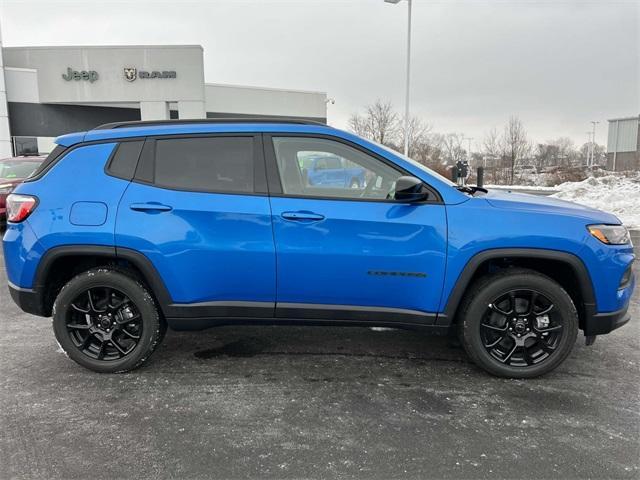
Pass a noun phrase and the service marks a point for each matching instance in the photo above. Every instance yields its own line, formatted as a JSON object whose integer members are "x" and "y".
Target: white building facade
{"x": 51, "y": 91}
{"x": 623, "y": 144}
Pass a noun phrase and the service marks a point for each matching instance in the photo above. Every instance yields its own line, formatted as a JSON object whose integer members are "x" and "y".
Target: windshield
{"x": 10, "y": 169}
{"x": 422, "y": 167}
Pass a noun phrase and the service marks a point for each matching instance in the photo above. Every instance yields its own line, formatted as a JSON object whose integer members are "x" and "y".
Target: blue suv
{"x": 133, "y": 227}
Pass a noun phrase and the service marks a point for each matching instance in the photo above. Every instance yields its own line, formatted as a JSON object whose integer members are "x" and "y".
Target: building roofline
{"x": 204, "y": 121}
{"x": 637, "y": 117}
{"x": 268, "y": 89}
{"x": 75, "y": 47}
{"x": 21, "y": 69}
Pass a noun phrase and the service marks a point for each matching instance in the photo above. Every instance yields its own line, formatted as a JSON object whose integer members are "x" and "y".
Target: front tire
{"x": 518, "y": 323}
{"x": 106, "y": 321}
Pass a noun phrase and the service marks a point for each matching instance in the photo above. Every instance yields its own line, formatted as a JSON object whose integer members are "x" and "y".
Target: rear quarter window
{"x": 125, "y": 159}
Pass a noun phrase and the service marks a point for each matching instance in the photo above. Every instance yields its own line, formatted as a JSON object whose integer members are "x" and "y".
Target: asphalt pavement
{"x": 313, "y": 402}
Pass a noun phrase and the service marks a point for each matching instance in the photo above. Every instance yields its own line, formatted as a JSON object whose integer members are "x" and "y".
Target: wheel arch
{"x": 59, "y": 264}
{"x": 564, "y": 267}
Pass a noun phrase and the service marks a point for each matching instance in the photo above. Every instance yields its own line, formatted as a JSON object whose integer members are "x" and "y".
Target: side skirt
{"x": 196, "y": 324}
{"x": 201, "y": 316}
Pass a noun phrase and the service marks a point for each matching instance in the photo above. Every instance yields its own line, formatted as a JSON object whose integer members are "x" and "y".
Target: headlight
{"x": 610, "y": 234}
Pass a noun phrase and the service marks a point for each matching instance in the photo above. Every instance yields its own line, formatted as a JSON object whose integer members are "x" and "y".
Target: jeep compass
{"x": 131, "y": 228}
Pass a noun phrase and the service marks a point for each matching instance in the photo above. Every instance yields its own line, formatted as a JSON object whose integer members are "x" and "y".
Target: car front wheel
{"x": 518, "y": 323}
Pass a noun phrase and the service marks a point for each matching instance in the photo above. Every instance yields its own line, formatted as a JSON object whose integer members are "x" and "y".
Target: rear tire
{"x": 518, "y": 323}
{"x": 107, "y": 321}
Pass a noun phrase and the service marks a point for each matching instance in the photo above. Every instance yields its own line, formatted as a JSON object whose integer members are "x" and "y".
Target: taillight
{"x": 20, "y": 207}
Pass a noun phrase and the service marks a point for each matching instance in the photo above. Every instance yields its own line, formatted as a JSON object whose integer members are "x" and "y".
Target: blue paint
{"x": 88, "y": 214}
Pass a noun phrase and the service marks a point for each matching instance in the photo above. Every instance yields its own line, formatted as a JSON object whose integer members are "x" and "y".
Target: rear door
{"x": 352, "y": 253}
{"x": 198, "y": 209}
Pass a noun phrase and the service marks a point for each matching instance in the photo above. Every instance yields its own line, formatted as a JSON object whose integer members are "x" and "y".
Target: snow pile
{"x": 521, "y": 187}
{"x": 612, "y": 193}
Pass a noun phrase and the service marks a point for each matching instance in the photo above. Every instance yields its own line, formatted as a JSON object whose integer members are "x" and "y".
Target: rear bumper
{"x": 602, "y": 323}
{"x": 27, "y": 299}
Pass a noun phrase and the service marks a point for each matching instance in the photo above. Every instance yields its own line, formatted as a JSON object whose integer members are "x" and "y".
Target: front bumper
{"x": 27, "y": 299}
{"x": 603, "y": 323}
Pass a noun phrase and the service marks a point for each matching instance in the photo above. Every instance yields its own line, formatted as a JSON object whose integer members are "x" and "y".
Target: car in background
{"x": 13, "y": 171}
{"x": 333, "y": 171}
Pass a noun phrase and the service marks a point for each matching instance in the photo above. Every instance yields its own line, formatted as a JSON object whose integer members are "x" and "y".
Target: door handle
{"x": 302, "y": 216}
{"x": 149, "y": 207}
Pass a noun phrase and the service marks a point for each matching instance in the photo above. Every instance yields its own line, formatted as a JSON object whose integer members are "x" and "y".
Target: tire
{"x": 107, "y": 321}
{"x": 533, "y": 342}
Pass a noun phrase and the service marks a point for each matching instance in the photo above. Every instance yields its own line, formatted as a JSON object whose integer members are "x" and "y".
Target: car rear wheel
{"x": 518, "y": 323}
{"x": 107, "y": 321}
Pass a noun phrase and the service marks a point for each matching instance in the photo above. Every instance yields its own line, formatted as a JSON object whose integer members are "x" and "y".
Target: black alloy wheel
{"x": 104, "y": 324}
{"x": 517, "y": 323}
{"x": 106, "y": 320}
{"x": 521, "y": 328}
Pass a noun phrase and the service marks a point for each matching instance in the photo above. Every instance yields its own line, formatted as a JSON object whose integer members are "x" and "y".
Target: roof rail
{"x": 147, "y": 123}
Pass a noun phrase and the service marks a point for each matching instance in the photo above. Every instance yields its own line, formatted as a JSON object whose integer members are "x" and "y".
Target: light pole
{"x": 406, "y": 101}
{"x": 593, "y": 142}
{"x": 469, "y": 149}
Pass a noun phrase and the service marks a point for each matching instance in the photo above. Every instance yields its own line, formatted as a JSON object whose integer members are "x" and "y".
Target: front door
{"x": 351, "y": 253}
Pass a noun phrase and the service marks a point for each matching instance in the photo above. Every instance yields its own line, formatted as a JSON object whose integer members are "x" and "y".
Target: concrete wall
{"x": 5, "y": 134}
{"x": 110, "y": 84}
{"x": 231, "y": 99}
{"x": 22, "y": 85}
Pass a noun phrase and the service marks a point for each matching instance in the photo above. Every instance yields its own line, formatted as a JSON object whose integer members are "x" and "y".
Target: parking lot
{"x": 292, "y": 402}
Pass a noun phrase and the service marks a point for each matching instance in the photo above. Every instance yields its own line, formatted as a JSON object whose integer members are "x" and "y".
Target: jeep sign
{"x": 90, "y": 75}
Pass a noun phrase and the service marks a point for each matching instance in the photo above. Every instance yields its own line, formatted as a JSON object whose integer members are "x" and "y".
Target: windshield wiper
{"x": 471, "y": 190}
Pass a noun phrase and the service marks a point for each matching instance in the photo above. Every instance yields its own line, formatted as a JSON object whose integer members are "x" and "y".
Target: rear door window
{"x": 210, "y": 164}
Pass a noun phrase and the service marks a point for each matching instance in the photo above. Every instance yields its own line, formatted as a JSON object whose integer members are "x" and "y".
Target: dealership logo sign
{"x": 130, "y": 74}
{"x": 86, "y": 75}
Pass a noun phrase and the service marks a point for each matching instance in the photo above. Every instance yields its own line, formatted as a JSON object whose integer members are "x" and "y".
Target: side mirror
{"x": 410, "y": 189}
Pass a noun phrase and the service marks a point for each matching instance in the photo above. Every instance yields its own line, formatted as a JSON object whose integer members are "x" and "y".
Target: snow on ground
{"x": 616, "y": 194}
{"x": 521, "y": 187}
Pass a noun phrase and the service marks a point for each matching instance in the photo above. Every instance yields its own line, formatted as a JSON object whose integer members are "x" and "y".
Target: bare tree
{"x": 546, "y": 155}
{"x": 491, "y": 146}
{"x": 380, "y": 123}
{"x": 599, "y": 154}
{"x": 567, "y": 154}
{"x": 452, "y": 147}
{"x": 419, "y": 137}
{"x": 515, "y": 144}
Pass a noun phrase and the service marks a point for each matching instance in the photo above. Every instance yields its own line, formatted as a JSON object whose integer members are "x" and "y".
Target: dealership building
{"x": 49, "y": 91}
{"x": 623, "y": 144}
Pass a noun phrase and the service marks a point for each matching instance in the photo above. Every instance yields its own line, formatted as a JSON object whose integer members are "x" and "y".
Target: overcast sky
{"x": 556, "y": 64}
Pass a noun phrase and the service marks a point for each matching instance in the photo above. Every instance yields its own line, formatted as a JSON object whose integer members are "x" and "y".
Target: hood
{"x": 542, "y": 204}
